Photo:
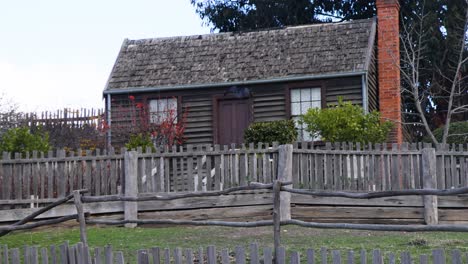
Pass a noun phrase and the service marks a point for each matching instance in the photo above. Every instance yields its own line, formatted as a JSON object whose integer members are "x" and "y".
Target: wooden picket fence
{"x": 281, "y": 216}
{"x": 254, "y": 254}
{"x": 40, "y": 178}
{"x": 75, "y": 117}
{"x": 375, "y": 167}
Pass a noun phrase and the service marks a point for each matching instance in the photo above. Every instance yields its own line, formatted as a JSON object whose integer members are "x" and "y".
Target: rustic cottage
{"x": 226, "y": 81}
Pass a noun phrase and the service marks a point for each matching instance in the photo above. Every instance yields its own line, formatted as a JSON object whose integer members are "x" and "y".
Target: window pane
{"x": 172, "y": 104}
{"x": 316, "y": 104}
{"x": 162, "y": 106}
{"x": 316, "y": 94}
{"x": 295, "y": 95}
{"x": 153, "y": 106}
{"x": 305, "y": 106}
{"x": 305, "y": 95}
{"x": 295, "y": 109}
{"x": 163, "y": 116}
{"x": 296, "y": 120}
{"x": 306, "y": 136}
{"x": 153, "y": 109}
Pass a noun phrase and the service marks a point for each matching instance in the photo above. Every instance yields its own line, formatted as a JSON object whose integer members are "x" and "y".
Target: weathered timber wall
{"x": 394, "y": 210}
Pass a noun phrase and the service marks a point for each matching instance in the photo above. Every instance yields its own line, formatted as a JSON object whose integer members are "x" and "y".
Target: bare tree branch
{"x": 414, "y": 35}
{"x": 455, "y": 78}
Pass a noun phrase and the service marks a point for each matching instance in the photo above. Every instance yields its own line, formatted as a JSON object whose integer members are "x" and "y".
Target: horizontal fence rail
{"x": 381, "y": 194}
{"x": 168, "y": 197}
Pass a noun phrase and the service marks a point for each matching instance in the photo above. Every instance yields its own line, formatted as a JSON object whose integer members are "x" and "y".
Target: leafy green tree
{"x": 21, "y": 140}
{"x": 282, "y": 131}
{"x": 346, "y": 122}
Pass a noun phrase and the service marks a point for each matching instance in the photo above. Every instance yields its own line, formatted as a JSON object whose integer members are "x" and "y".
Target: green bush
{"x": 142, "y": 140}
{"x": 458, "y": 133}
{"x": 346, "y": 122}
{"x": 21, "y": 140}
{"x": 282, "y": 131}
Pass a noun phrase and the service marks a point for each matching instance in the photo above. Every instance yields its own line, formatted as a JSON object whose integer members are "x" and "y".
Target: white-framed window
{"x": 162, "y": 109}
{"x": 301, "y": 100}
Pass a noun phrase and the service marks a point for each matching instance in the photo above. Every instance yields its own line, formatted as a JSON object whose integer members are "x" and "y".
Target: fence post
{"x": 276, "y": 217}
{"x": 81, "y": 217}
{"x": 285, "y": 175}
{"x": 131, "y": 186}
{"x": 429, "y": 182}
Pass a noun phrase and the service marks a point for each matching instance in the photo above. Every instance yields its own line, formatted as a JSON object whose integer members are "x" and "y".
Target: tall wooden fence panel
{"x": 452, "y": 162}
{"x": 41, "y": 178}
{"x": 347, "y": 166}
{"x": 38, "y": 178}
{"x": 206, "y": 167}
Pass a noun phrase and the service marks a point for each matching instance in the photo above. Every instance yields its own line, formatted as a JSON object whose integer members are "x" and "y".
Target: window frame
{"x": 303, "y": 85}
{"x": 178, "y": 101}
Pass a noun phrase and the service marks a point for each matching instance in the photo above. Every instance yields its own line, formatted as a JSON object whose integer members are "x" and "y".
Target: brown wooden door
{"x": 233, "y": 119}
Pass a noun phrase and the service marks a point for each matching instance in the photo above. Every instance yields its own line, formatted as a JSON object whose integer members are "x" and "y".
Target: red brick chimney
{"x": 388, "y": 13}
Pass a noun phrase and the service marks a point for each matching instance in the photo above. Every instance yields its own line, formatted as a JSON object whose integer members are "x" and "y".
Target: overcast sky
{"x": 57, "y": 54}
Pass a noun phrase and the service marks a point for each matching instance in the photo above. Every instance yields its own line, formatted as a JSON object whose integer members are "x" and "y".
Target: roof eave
{"x": 371, "y": 43}
{"x": 122, "y": 47}
{"x": 223, "y": 84}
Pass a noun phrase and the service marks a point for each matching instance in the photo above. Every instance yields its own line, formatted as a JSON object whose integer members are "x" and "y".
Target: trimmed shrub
{"x": 458, "y": 133}
{"x": 346, "y": 122}
{"x": 282, "y": 131}
{"x": 142, "y": 140}
{"x": 21, "y": 140}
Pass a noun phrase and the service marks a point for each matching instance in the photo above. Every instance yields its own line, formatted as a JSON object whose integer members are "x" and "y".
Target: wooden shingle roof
{"x": 318, "y": 49}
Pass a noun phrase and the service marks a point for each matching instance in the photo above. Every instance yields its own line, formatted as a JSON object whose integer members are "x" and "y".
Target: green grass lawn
{"x": 293, "y": 238}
